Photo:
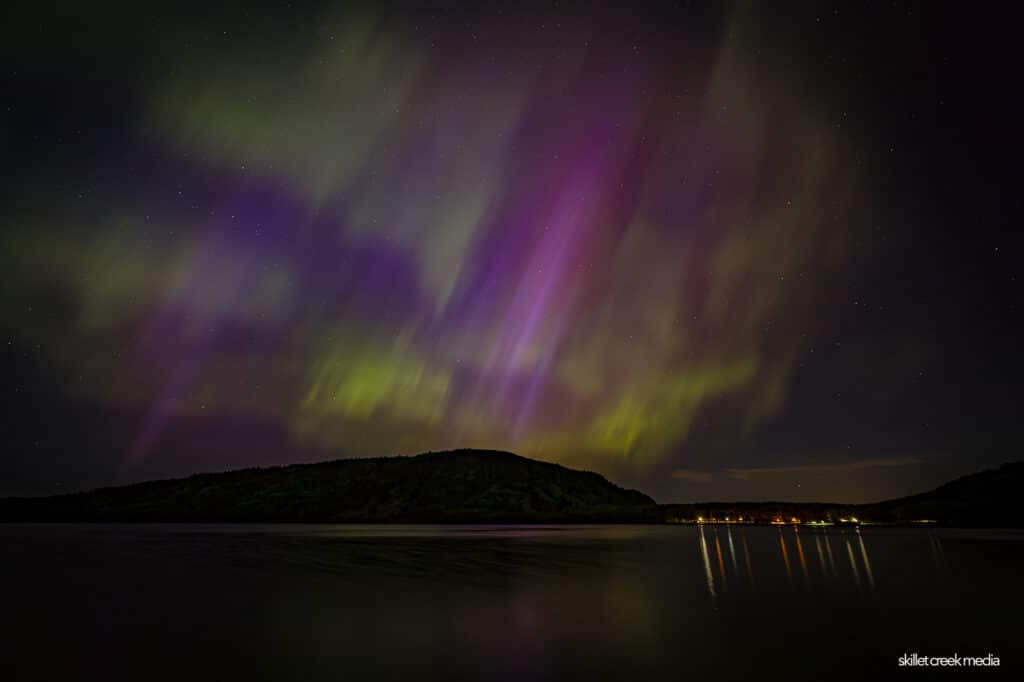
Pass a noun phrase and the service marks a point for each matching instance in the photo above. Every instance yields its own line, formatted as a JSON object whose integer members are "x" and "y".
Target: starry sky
{"x": 710, "y": 251}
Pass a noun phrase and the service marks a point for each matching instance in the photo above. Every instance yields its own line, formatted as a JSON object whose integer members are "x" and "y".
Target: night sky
{"x": 713, "y": 252}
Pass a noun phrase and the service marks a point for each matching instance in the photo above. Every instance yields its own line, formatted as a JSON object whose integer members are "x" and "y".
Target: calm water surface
{"x": 503, "y": 603}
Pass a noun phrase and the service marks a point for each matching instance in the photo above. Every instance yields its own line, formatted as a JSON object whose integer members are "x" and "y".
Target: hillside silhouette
{"x": 457, "y": 486}
{"x": 986, "y": 498}
{"x": 486, "y": 486}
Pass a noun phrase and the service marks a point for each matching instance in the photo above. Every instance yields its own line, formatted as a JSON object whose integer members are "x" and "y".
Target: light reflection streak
{"x": 853, "y": 562}
{"x": 938, "y": 556}
{"x": 861, "y": 572}
{"x": 785, "y": 558}
{"x": 746, "y": 557}
{"x": 707, "y": 568}
{"x": 867, "y": 562}
{"x": 718, "y": 570}
{"x": 831, "y": 559}
{"x": 800, "y": 554}
{"x": 732, "y": 554}
{"x": 821, "y": 556}
{"x": 721, "y": 562}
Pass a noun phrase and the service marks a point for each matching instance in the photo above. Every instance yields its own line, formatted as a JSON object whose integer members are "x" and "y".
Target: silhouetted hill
{"x": 985, "y": 499}
{"x": 484, "y": 486}
{"x": 455, "y": 486}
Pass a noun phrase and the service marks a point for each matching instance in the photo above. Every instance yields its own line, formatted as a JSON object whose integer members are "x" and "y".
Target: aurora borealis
{"x": 634, "y": 244}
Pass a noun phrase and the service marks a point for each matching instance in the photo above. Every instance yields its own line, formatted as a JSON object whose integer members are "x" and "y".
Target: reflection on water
{"x": 732, "y": 551}
{"x": 936, "y": 547}
{"x": 499, "y": 603}
{"x": 831, "y": 558}
{"x": 821, "y": 557}
{"x": 709, "y": 576}
{"x": 800, "y": 553}
{"x": 859, "y": 575}
{"x": 721, "y": 563}
{"x": 785, "y": 557}
{"x": 853, "y": 562}
{"x": 746, "y": 558}
{"x": 867, "y": 561}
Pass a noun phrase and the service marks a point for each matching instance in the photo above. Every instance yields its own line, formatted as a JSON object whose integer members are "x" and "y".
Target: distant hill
{"x": 984, "y": 499}
{"x": 457, "y": 486}
{"x": 988, "y": 498}
{"x": 484, "y": 486}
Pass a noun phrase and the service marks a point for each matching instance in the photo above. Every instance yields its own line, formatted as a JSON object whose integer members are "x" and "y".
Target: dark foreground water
{"x": 501, "y": 603}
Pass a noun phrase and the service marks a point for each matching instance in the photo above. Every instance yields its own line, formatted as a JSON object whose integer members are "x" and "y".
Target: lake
{"x": 311, "y": 602}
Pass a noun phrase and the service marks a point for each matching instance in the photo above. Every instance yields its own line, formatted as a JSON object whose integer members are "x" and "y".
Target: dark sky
{"x": 711, "y": 251}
